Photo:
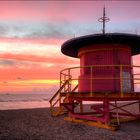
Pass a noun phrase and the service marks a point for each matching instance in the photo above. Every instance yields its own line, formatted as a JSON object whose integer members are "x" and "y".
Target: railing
{"x": 56, "y": 99}
{"x": 127, "y": 76}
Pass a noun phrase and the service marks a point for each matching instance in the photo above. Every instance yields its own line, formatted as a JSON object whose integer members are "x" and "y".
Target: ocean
{"x": 24, "y": 101}
{"x": 27, "y": 101}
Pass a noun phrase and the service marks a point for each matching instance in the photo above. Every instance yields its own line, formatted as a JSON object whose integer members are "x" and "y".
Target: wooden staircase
{"x": 58, "y": 101}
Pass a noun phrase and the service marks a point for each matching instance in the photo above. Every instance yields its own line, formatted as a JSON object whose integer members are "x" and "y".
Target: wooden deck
{"x": 86, "y": 96}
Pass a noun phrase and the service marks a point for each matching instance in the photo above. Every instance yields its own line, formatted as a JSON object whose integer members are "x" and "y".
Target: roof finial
{"x": 104, "y": 19}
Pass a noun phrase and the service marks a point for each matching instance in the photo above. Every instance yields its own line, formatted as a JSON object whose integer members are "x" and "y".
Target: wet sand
{"x": 37, "y": 124}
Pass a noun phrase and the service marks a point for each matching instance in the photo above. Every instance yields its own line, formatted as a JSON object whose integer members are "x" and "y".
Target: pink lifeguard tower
{"x": 107, "y": 79}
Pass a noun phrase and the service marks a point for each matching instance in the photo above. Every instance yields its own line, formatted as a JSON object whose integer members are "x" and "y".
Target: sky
{"x": 32, "y": 32}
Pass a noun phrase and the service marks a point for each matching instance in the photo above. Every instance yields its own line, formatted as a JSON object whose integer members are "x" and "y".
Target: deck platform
{"x": 99, "y": 96}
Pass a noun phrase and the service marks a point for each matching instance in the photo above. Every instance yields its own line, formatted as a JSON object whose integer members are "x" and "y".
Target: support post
{"x": 69, "y": 82}
{"x": 91, "y": 78}
{"x": 139, "y": 106}
{"x": 121, "y": 82}
{"x": 81, "y": 107}
{"x": 106, "y": 112}
{"x": 117, "y": 113}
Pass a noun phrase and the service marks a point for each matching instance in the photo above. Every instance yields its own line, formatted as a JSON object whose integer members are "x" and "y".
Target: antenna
{"x": 104, "y": 19}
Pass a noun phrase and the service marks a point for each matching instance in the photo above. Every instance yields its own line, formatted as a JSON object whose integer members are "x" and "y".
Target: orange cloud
{"x": 29, "y": 86}
{"x": 35, "y": 58}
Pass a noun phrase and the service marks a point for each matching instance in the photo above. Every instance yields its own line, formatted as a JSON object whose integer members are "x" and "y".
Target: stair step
{"x": 69, "y": 104}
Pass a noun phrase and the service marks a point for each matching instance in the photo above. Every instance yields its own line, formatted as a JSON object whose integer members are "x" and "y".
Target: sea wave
{"x": 25, "y": 100}
{"x": 24, "y": 97}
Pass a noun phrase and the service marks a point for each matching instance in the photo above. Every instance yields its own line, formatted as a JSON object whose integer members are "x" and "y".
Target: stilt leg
{"x": 81, "y": 107}
{"x": 117, "y": 115}
{"x": 139, "y": 106}
{"x": 106, "y": 112}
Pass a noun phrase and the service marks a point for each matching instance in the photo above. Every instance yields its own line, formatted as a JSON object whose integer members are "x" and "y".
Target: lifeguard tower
{"x": 106, "y": 79}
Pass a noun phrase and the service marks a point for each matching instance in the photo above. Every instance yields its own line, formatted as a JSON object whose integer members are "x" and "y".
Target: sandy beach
{"x": 37, "y": 124}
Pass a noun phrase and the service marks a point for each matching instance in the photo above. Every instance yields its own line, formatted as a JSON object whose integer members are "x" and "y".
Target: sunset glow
{"x": 32, "y": 32}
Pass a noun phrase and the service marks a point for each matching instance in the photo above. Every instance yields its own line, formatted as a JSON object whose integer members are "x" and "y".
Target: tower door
{"x": 116, "y": 70}
{"x": 122, "y": 57}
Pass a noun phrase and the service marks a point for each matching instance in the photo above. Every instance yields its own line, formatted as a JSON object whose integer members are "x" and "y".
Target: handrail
{"x": 99, "y": 66}
{"x": 59, "y": 90}
{"x": 68, "y": 84}
{"x": 67, "y": 72}
{"x": 96, "y": 66}
{"x": 55, "y": 102}
{"x": 74, "y": 88}
{"x": 55, "y": 113}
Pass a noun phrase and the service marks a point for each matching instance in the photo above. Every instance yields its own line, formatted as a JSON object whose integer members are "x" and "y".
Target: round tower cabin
{"x": 106, "y": 53}
{"x": 106, "y": 75}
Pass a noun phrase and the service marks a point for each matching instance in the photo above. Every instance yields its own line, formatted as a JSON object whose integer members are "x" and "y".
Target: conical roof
{"x": 71, "y": 47}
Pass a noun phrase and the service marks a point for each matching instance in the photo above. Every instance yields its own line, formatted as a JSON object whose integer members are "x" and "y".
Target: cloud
{"x": 12, "y": 58}
{"x": 25, "y": 66}
{"x": 7, "y": 62}
{"x": 33, "y": 30}
{"x": 3, "y": 30}
{"x": 44, "y": 30}
{"x": 61, "y": 19}
{"x": 44, "y": 10}
{"x": 61, "y": 30}
{"x": 19, "y": 78}
{"x": 52, "y": 30}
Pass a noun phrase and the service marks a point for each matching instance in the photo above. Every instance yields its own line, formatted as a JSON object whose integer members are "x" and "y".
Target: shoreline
{"x": 23, "y": 105}
{"x": 16, "y": 105}
{"x": 38, "y": 124}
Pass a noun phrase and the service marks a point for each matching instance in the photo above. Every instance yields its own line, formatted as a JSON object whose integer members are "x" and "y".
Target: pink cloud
{"x": 39, "y": 65}
{"x": 73, "y": 11}
{"x": 33, "y": 58}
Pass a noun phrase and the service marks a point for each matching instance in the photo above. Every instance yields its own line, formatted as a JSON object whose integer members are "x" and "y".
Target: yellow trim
{"x": 121, "y": 82}
{"x": 123, "y": 120}
{"x": 91, "y": 78}
{"x": 91, "y": 123}
{"x": 81, "y": 52}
